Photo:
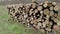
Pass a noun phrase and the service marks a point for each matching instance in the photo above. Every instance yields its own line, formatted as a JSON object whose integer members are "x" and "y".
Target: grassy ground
{"x": 11, "y": 27}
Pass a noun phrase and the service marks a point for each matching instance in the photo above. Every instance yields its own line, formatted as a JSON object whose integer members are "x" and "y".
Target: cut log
{"x": 39, "y": 8}
{"x": 56, "y": 8}
{"x": 45, "y": 5}
{"x": 33, "y": 5}
{"x": 36, "y": 11}
{"x": 46, "y": 11}
{"x": 56, "y": 28}
{"x": 51, "y": 8}
{"x": 51, "y": 13}
{"x": 56, "y": 20}
{"x": 54, "y": 3}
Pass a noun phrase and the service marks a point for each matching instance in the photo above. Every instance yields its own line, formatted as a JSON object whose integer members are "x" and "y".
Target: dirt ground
{"x": 4, "y": 2}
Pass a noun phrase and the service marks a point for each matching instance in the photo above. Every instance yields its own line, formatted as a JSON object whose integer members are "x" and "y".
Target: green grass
{"x": 11, "y": 27}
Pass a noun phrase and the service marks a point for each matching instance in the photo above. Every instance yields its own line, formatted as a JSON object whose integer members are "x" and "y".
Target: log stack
{"x": 41, "y": 16}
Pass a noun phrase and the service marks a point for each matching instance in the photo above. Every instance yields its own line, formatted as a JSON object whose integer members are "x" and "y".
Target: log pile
{"x": 40, "y": 16}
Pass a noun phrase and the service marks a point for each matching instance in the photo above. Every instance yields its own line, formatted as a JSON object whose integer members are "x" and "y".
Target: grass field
{"x": 11, "y": 27}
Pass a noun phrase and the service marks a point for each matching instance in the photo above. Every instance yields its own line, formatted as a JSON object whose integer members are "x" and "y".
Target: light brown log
{"x": 51, "y": 13}
{"x": 35, "y": 11}
{"x": 35, "y": 21}
{"x": 58, "y": 23}
{"x": 47, "y": 17}
{"x": 54, "y": 3}
{"x": 30, "y": 12}
{"x": 45, "y": 5}
{"x": 56, "y": 28}
{"x": 40, "y": 3}
{"x": 33, "y": 0}
{"x": 39, "y": 8}
{"x": 48, "y": 29}
{"x": 56, "y": 8}
{"x": 53, "y": 18}
{"x": 55, "y": 15}
{"x": 42, "y": 30}
{"x": 28, "y": 6}
{"x": 46, "y": 22}
{"x": 51, "y": 8}
{"x": 41, "y": 12}
{"x": 44, "y": 25}
{"x": 33, "y": 5}
{"x": 56, "y": 20}
{"x": 46, "y": 11}
{"x": 39, "y": 24}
